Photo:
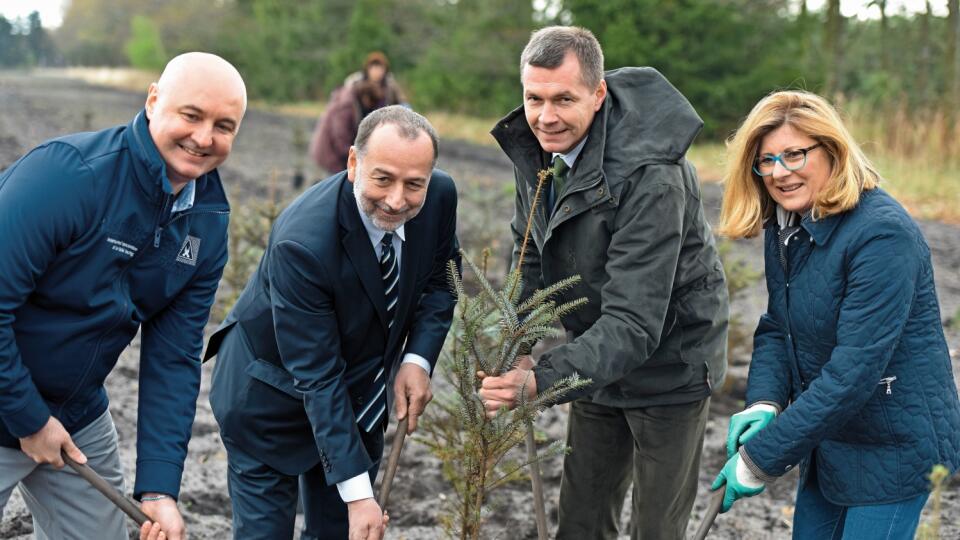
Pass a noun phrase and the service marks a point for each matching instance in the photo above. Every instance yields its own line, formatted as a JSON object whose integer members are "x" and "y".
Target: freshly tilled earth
{"x": 265, "y": 158}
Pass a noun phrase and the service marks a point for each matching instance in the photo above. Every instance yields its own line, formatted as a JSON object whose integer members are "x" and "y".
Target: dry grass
{"x": 916, "y": 152}
{"x": 463, "y": 128}
{"x": 708, "y": 157}
{"x": 125, "y": 78}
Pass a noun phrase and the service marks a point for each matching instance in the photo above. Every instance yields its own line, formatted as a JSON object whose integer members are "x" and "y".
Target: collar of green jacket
{"x": 643, "y": 120}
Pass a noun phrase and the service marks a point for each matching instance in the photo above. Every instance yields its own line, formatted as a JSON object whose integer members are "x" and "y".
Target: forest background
{"x": 893, "y": 73}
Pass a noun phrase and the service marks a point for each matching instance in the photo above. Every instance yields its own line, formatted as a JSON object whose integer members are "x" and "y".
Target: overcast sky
{"x": 51, "y": 11}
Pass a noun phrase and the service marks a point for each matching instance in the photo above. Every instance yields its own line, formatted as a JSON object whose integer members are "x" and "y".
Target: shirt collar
{"x": 571, "y": 157}
{"x": 786, "y": 218}
{"x": 186, "y": 197}
{"x": 376, "y": 234}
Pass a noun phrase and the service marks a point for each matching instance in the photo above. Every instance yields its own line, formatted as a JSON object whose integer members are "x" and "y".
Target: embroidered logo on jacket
{"x": 188, "y": 251}
{"x": 122, "y": 247}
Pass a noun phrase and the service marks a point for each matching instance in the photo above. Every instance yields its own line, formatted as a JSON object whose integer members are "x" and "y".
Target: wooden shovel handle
{"x": 716, "y": 501}
{"x": 392, "y": 461}
{"x": 129, "y": 507}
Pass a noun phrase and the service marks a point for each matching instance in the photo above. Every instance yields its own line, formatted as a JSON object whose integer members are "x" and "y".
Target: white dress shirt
{"x": 359, "y": 487}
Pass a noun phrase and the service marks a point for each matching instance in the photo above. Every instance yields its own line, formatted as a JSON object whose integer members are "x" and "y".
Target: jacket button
{"x": 600, "y": 191}
{"x": 787, "y": 468}
{"x": 566, "y": 209}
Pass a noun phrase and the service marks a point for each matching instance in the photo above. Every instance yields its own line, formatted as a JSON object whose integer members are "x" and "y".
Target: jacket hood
{"x": 643, "y": 120}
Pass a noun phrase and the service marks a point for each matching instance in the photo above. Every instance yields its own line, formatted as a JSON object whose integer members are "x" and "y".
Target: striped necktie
{"x": 376, "y": 405}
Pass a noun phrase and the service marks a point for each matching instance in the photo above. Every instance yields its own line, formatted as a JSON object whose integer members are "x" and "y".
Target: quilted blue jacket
{"x": 90, "y": 252}
{"x": 852, "y": 350}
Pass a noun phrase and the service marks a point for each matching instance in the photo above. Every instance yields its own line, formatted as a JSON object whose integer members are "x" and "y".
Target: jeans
{"x": 817, "y": 518}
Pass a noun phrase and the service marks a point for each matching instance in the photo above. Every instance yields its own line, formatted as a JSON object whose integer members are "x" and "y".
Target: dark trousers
{"x": 265, "y": 500}
{"x": 657, "y": 448}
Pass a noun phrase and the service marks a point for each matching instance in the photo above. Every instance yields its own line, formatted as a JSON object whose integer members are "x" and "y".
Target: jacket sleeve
{"x": 769, "y": 377}
{"x": 41, "y": 213}
{"x": 435, "y": 309}
{"x": 305, "y": 322}
{"x": 770, "y": 373}
{"x": 642, "y": 262}
{"x": 336, "y": 130}
{"x": 882, "y": 272}
{"x": 171, "y": 344}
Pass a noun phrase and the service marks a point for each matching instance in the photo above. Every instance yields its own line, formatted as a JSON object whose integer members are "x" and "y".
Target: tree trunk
{"x": 952, "y": 84}
{"x": 923, "y": 75}
{"x": 884, "y": 27}
{"x": 833, "y": 43}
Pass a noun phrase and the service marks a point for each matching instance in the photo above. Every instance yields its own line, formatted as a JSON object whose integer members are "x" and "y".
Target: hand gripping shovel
{"x": 129, "y": 507}
{"x": 392, "y": 461}
{"x": 713, "y": 508}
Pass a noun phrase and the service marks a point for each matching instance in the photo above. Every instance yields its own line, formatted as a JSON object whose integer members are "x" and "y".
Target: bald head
{"x": 195, "y": 109}
{"x": 214, "y": 70}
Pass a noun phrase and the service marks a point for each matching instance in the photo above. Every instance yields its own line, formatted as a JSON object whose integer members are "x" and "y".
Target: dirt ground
{"x": 33, "y": 109}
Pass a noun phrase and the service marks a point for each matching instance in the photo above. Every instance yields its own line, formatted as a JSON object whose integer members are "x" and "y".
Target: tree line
{"x": 25, "y": 42}
{"x": 462, "y": 55}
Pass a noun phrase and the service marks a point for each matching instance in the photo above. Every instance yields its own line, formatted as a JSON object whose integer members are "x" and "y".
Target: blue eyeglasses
{"x": 792, "y": 160}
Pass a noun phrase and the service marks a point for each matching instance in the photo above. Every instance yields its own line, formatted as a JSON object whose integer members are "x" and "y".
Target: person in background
{"x": 850, "y": 376}
{"x": 330, "y": 146}
{"x": 361, "y": 93}
{"x": 376, "y": 69}
{"x": 101, "y": 235}
{"x": 623, "y": 211}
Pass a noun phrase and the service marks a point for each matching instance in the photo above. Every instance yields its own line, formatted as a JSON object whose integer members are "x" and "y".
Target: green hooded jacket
{"x": 630, "y": 222}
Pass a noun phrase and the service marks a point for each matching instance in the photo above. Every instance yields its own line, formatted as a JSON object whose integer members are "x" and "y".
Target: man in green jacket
{"x": 621, "y": 208}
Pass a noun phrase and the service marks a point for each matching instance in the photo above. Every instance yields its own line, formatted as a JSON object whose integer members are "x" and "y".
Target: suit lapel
{"x": 356, "y": 244}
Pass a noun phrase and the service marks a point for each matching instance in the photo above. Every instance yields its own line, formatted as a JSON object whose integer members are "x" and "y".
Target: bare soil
{"x": 33, "y": 109}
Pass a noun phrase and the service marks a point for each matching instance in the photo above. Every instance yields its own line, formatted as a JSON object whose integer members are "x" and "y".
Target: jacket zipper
{"x": 119, "y": 282}
{"x": 158, "y": 229}
{"x": 888, "y": 381}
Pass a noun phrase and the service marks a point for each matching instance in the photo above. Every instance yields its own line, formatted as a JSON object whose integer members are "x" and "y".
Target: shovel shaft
{"x": 129, "y": 507}
{"x": 713, "y": 508}
{"x": 392, "y": 462}
{"x": 536, "y": 479}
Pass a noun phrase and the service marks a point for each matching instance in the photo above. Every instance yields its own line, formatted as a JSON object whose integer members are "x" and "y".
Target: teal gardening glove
{"x": 744, "y": 425}
{"x": 740, "y": 482}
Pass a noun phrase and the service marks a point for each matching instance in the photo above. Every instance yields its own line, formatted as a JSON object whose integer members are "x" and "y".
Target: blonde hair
{"x": 746, "y": 202}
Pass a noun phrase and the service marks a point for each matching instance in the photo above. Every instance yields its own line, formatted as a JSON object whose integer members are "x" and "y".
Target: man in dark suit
{"x": 300, "y": 387}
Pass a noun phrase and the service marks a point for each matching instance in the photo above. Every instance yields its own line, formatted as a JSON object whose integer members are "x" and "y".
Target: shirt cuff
{"x": 745, "y": 477}
{"x": 355, "y": 488}
{"x": 768, "y": 406}
{"x": 412, "y": 358}
{"x": 757, "y": 471}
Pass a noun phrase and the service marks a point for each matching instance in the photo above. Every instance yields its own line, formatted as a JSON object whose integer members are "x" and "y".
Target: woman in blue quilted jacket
{"x": 850, "y": 377}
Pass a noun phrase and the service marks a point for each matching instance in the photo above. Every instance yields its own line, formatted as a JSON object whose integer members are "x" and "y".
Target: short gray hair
{"x": 548, "y": 47}
{"x": 409, "y": 123}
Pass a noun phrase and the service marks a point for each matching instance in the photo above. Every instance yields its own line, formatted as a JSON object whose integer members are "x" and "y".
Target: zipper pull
{"x": 888, "y": 381}
{"x": 156, "y": 236}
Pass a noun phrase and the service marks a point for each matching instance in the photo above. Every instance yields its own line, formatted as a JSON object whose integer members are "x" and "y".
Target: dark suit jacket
{"x": 313, "y": 318}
